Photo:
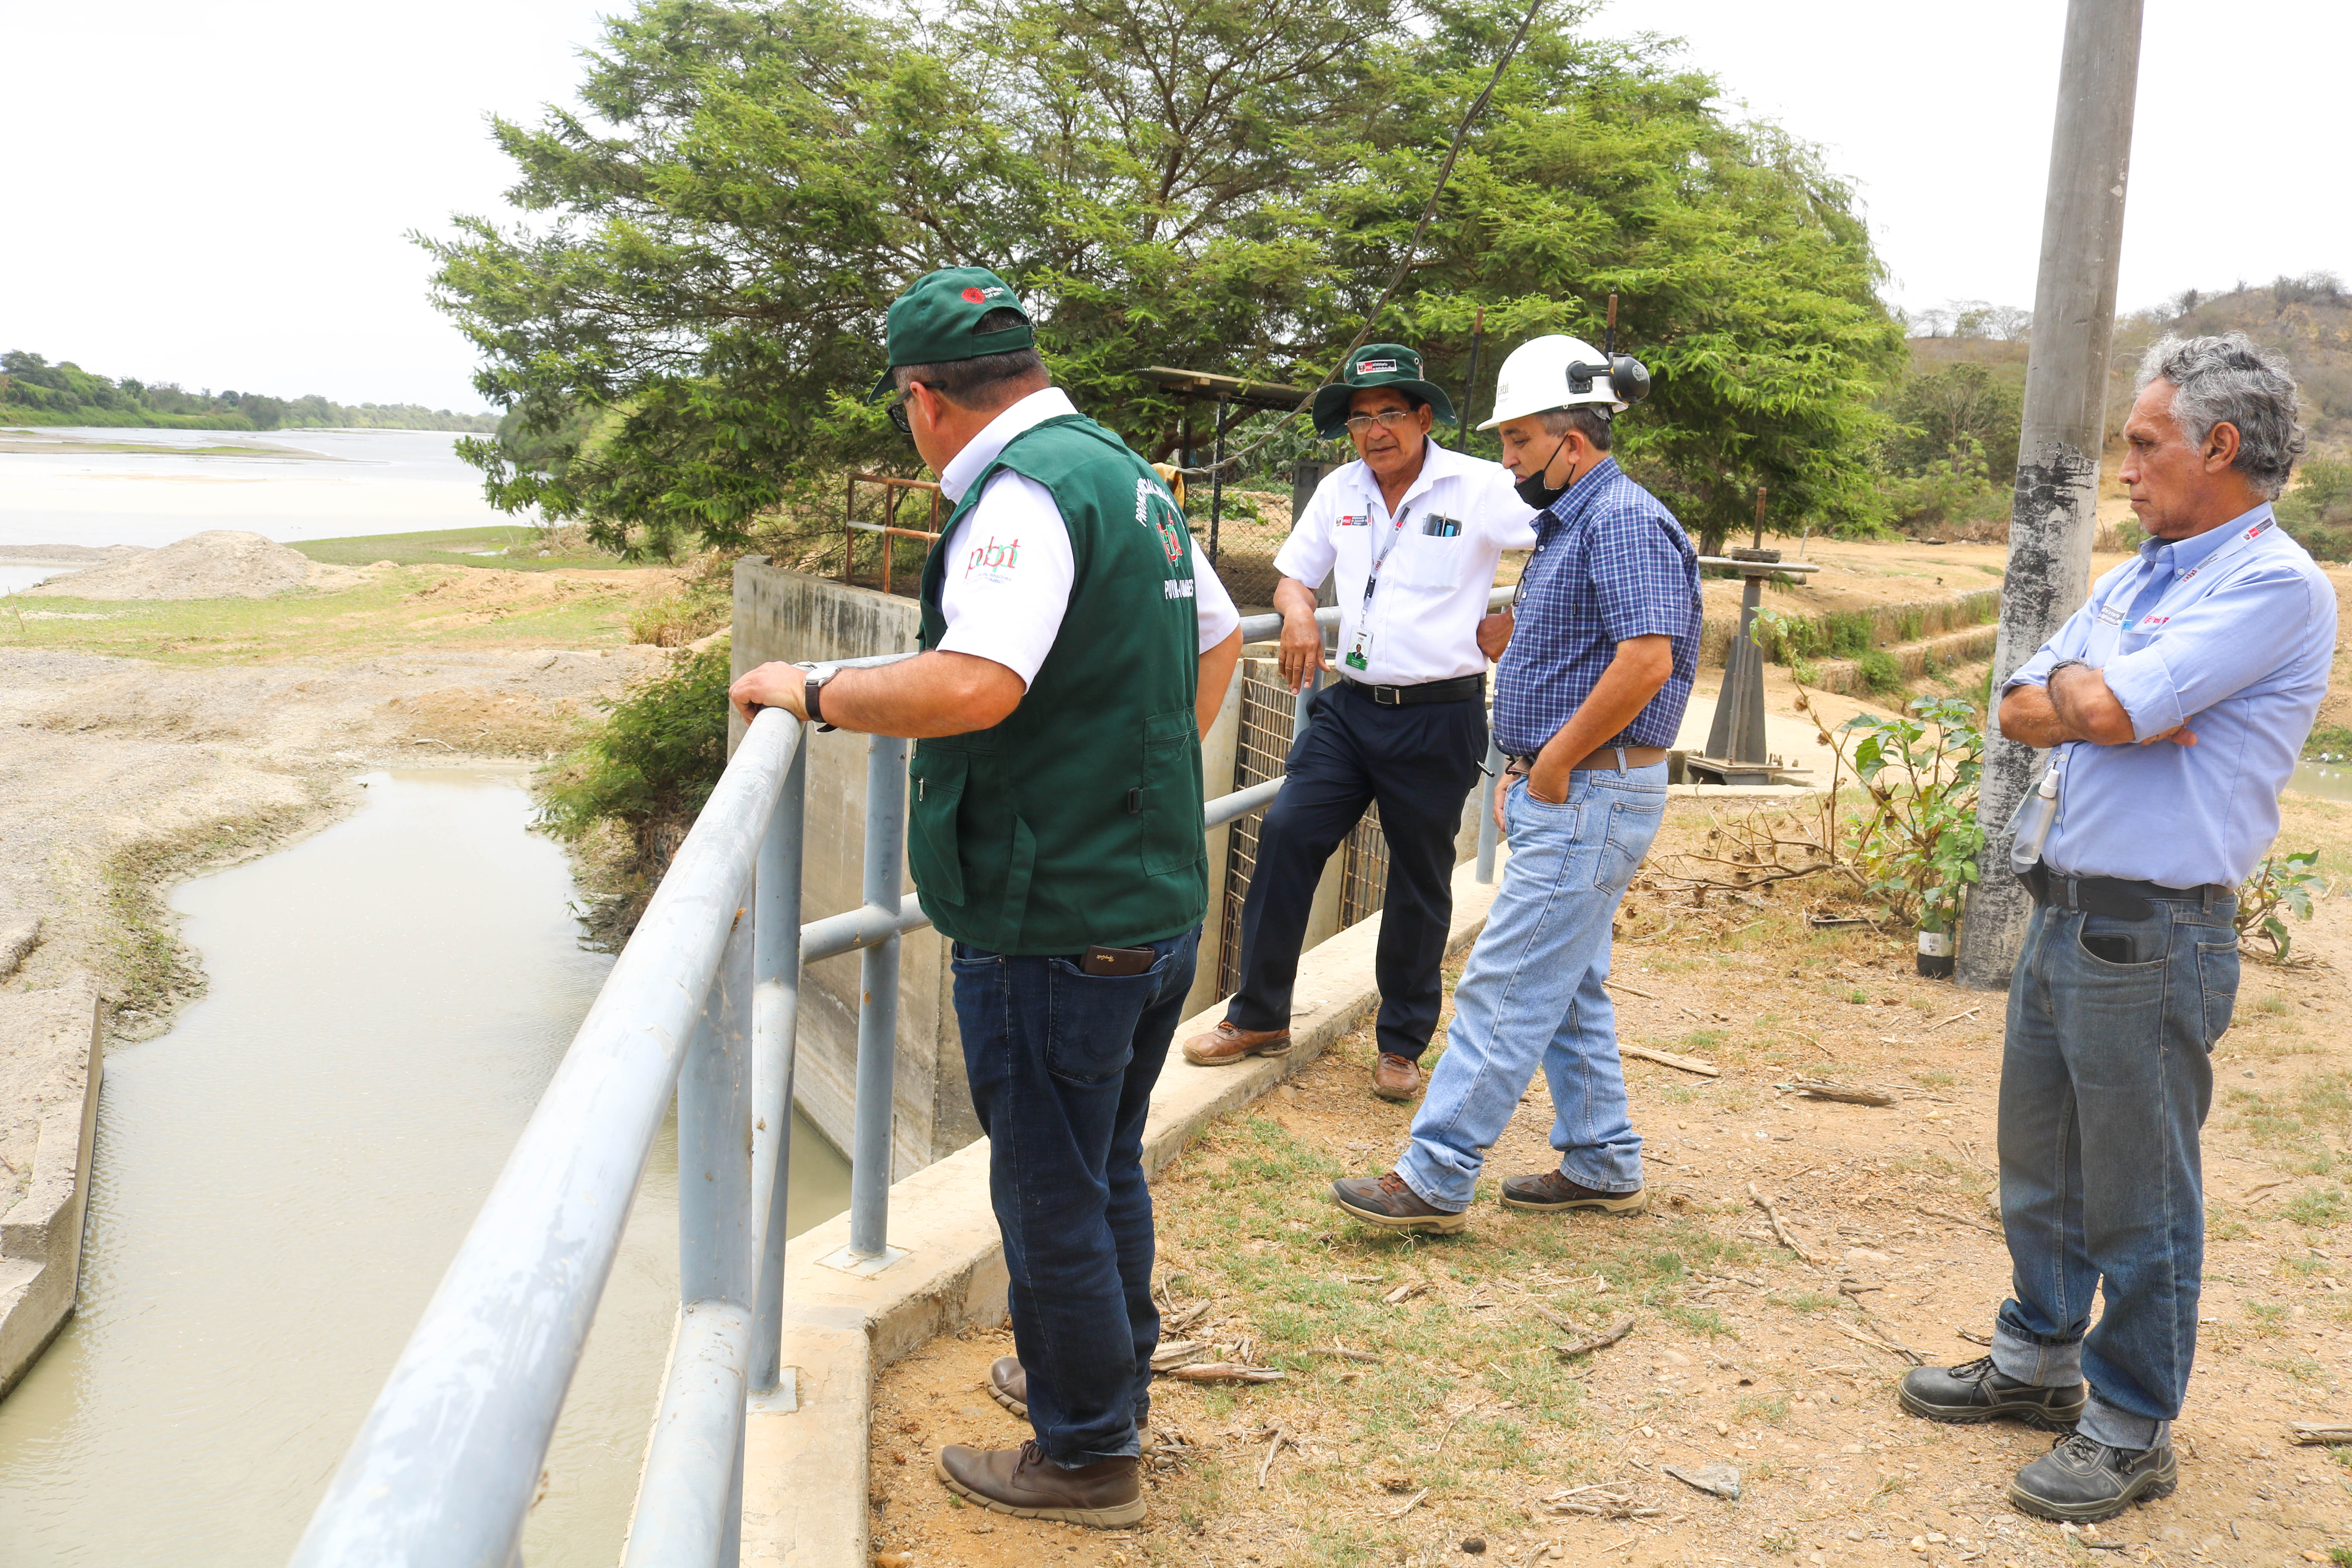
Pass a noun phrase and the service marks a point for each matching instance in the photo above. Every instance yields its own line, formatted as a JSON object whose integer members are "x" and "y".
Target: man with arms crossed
{"x": 2176, "y": 698}
{"x": 1076, "y": 645}
{"x": 1589, "y": 692}
{"x": 1415, "y": 532}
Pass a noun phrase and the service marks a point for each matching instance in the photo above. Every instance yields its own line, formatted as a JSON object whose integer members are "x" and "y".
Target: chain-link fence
{"x": 1267, "y": 713}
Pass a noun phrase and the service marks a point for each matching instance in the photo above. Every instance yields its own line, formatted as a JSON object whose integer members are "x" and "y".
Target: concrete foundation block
{"x": 40, "y": 1234}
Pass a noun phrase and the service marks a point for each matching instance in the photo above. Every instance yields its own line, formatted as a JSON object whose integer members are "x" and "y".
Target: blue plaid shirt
{"x": 1610, "y": 562}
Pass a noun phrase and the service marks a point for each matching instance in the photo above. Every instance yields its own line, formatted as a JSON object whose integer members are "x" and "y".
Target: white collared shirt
{"x": 1009, "y": 567}
{"x": 1459, "y": 516}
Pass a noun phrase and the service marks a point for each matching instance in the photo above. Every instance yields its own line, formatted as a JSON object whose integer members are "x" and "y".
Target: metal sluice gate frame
{"x": 703, "y": 1000}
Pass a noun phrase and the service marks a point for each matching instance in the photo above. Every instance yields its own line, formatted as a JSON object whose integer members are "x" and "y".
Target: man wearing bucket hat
{"x": 1413, "y": 532}
{"x": 1589, "y": 692}
{"x": 1075, "y": 647}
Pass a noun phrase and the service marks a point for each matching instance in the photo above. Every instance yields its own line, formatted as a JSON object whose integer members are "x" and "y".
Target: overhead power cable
{"x": 1404, "y": 262}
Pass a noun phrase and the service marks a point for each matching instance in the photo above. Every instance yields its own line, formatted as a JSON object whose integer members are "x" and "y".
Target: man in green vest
{"x": 1075, "y": 647}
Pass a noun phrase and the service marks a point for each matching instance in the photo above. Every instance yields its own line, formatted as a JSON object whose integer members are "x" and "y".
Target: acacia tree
{"x": 688, "y": 309}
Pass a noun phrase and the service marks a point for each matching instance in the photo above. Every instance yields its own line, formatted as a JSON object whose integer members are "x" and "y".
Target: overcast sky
{"x": 216, "y": 194}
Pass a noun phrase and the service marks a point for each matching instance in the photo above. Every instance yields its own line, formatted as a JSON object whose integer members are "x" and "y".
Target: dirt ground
{"x": 1452, "y": 1433}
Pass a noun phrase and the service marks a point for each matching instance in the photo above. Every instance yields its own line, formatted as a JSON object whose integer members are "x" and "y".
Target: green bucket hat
{"x": 937, "y": 318}
{"x": 1377, "y": 364}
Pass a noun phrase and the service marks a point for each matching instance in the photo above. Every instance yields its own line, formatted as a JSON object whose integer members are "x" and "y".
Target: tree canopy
{"x": 687, "y": 310}
{"x": 35, "y": 392}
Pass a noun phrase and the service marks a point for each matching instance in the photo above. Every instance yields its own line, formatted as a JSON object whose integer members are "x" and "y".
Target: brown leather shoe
{"x": 1009, "y": 1385}
{"x": 1396, "y": 1077}
{"x": 1226, "y": 1044}
{"x": 1385, "y": 1200}
{"x": 1551, "y": 1192}
{"x": 1025, "y": 1483}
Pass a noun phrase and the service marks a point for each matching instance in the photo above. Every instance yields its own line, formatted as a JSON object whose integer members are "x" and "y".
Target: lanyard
{"x": 1379, "y": 557}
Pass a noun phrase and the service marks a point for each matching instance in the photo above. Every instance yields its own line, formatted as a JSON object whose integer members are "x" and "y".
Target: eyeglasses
{"x": 1360, "y": 424}
{"x": 898, "y": 415}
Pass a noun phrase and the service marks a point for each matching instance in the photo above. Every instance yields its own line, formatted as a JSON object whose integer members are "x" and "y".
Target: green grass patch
{"x": 511, "y": 547}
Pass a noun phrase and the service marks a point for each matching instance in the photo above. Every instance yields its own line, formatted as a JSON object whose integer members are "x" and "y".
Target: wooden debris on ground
{"x": 1953, "y": 1019}
{"x": 2332, "y": 1434}
{"x": 1342, "y": 1351}
{"x": 1631, "y": 991}
{"x": 1668, "y": 1058}
{"x": 1780, "y": 1230}
{"x": 1602, "y": 1500}
{"x": 1848, "y": 1094}
{"x": 1177, "y": 1353}
{"x": 1405, "y": 1292}
{"x": 1596, "y": 1343}
{"x": 1717, "y": 1480}
{"x": 1410, "y": 1504}
{"x": 1272, "y": 1448}
{"x": 1225, "y": 1371}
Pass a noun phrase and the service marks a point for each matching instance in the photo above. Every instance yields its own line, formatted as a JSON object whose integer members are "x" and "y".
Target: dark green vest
{"x": 1077, "y": 820}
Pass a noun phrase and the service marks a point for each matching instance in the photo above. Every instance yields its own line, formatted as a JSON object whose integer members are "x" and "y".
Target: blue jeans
{"x": 1061, "y": 1064}
{"x": 2104, "y": 1081}
{"x": 1531, "y": 992}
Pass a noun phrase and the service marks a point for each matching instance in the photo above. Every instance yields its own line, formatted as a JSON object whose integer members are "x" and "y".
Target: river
{"x": 74, "y": 486}
{"x": 282, "y": 1179}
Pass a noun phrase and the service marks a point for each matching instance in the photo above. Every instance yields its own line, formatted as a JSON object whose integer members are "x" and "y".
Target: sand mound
{"x": 220, "y": 564}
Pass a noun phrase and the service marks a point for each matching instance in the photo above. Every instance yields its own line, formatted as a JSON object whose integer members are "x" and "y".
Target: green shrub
{"x": 1878, "y": 670}
{"x": 2319, "y": 511}
{"x": 652, "y": 764}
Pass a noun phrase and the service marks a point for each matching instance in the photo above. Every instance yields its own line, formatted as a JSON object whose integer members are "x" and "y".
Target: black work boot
{"x": 2082, "y": 1481}
{"x": 1387, "y": 1202}
{"x": 1973, "y": 1392}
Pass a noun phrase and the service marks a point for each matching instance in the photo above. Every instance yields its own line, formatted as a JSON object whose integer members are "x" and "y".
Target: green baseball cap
{"x": 938, "y": 320}
{"x": 1377, "y": 364}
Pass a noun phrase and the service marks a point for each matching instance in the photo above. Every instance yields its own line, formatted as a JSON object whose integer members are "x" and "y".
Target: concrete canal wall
{"x": 49, "y": 1053}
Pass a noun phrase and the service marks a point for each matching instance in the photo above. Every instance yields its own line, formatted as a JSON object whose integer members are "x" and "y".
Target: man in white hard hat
{"x": 1414, "y": 532}
{"x": 1589, "y": 692}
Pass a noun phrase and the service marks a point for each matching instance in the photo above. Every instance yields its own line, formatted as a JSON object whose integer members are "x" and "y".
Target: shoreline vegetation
{"x": 33, "y": 392}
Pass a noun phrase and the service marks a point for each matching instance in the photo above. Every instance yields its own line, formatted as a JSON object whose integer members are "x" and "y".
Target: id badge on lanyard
{"x": 1360, "y": 648}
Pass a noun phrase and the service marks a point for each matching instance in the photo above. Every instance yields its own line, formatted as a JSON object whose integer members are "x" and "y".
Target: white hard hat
{"x": 1536, "y": 379}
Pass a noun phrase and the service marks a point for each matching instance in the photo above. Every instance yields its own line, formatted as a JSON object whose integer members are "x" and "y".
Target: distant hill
{"x": 2309, "y": 320}
{"x": 35, "y": 392}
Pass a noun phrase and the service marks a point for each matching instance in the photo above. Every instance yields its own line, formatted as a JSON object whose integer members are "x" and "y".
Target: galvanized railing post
{"x": 877, "y": 1007}
{"x": 775, "y": 1010}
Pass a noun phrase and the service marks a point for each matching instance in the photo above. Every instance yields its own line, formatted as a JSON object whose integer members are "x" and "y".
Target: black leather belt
{"x": 2114, "y": 897}
{"x": 1462, "y": 688}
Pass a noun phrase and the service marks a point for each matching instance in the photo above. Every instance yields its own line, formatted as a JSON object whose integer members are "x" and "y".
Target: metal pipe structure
{"x": 775, "y": 1022}
{"x": 443, "y": 1469}
{"x": 877, "y": 1010}
{"x": 703, "y": 1001}
{"x": 1488, "y": 832}
{"x": 2055, "y": 508}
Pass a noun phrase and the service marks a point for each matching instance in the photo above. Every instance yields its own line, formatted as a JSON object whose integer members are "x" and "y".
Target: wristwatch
{"x": 813, "y": 690}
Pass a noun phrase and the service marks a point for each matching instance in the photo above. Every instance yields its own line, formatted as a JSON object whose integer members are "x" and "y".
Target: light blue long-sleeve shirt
{"x": 2230, "y": 632}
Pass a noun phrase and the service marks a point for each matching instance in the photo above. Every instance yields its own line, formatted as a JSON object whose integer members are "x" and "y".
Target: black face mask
{"x": 1533, "y": 490}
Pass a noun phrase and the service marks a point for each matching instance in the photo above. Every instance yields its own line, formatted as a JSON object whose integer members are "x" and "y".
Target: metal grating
{"x": 1266, "y": 716}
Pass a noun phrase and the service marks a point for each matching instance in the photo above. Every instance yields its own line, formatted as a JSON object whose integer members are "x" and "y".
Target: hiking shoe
{"x": 2081, "y": 1480}
{"x": 1396, "y": 1077}
{"x": 1225, "y": 1044}
{"x": 1025, "y": 1484}
{"x": 1551, "y": 1192}
{"x": 1387, "y": 1202}
{"x": 1973, "y": 1392}
{"x": 1009, "y": 1385}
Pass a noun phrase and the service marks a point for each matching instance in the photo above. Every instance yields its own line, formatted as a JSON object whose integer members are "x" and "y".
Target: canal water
{"x": 282, "y": 1179}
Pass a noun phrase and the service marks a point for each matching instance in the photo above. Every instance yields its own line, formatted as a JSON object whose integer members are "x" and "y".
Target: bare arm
{"x": 933, "y": 693}
{"x": 1302, "y": 636}
{"x": 1216, "y": 673}
{"x": 1636, "y": 674}
{"x": 2075, "y": 706}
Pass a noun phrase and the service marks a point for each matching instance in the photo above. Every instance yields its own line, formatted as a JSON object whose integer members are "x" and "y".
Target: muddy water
{"x": 282, "y": 1179}
{"x": 2328, "y": 781}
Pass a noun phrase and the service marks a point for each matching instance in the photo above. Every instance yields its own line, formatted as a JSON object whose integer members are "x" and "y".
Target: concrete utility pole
{"x": 2055, "y": 510}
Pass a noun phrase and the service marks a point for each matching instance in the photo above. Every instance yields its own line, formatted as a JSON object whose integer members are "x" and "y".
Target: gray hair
{"x": 1589, "y": 417}
{"x": 2227, "y": 380}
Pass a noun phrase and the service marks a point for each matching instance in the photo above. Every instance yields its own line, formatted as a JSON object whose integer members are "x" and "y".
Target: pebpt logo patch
{"x": 992, "y": 561}
{"x": 979, "y": 296}
{"x": 1156, "y": 510}
{"x": 1376, "y": 367}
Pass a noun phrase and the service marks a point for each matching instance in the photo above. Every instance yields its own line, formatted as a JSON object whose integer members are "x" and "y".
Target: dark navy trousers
{"x": 1061, "y": 1064}
{"x": 1419, "y": 763}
